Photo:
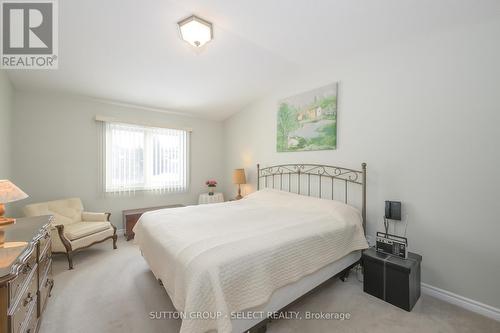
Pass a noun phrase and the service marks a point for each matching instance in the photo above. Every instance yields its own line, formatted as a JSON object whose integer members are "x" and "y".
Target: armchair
{"x": 73, "y": 229}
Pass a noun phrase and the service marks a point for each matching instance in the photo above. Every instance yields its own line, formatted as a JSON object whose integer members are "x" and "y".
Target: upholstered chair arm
{"x": 95, "y": 217}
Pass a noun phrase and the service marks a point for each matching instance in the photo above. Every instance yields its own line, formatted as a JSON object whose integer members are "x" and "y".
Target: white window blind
{"x": 145, "y": 158}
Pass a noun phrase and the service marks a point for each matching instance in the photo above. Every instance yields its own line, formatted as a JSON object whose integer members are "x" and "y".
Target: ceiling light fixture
{"x": 196, "y": 31}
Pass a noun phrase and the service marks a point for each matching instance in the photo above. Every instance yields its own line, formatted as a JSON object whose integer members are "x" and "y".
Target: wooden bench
{"x": 131, "y": 216}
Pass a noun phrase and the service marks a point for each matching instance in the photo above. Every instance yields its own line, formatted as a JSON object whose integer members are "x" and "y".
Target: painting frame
{"x": 308, "y": 121}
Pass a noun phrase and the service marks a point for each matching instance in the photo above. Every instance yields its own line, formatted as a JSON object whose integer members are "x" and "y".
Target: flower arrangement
{"x": 211, "y": 183}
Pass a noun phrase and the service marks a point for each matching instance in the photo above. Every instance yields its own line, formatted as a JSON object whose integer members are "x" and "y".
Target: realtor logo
{"x": 29, "y": 34}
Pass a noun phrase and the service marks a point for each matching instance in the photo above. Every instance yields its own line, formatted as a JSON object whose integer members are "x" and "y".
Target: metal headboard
{"x": 282, "y": 175}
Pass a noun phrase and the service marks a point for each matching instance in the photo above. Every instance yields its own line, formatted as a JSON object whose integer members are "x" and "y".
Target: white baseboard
{"x": 120, "y": 232}
{"x": 463, "y": 302}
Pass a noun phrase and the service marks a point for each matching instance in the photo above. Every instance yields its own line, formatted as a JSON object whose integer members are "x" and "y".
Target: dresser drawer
{"x": 45, "y": 288}
{"x": 17, "y": 284}
{"x": 20, "y": 309}
{"x": 31, "y": 321}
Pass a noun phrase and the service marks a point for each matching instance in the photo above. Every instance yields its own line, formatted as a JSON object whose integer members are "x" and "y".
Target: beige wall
{"x": 55, "y": 152}
{"x": 6, "y": 106}
{"x": 425, "y": 118}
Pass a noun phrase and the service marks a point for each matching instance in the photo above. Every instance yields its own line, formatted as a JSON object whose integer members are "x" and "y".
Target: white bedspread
{"x": 232, "y": 256}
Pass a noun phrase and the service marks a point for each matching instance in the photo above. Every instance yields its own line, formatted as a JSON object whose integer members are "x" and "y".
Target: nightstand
{"x": 395, "y": 280}
{"x": 205, "y": 198}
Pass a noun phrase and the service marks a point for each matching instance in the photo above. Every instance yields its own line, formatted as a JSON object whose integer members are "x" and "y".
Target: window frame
{"x": 147, "y": 185}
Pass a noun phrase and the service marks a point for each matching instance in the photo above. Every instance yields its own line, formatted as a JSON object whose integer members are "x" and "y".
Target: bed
{"x": 226, "y": 266}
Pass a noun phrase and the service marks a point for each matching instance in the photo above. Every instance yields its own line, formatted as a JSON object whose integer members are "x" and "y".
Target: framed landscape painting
{"x": 308, "y": 121}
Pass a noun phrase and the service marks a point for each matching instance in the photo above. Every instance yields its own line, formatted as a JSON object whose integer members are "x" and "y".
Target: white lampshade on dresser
{"x": 9, "y": 193}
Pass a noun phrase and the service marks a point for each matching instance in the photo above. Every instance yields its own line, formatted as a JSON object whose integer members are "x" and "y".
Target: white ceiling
{"x": 129, "y": 50}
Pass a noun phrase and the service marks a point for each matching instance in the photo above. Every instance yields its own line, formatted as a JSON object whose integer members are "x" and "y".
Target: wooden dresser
{"x": 25, "y": 274}
{"x": 131, "y": 216}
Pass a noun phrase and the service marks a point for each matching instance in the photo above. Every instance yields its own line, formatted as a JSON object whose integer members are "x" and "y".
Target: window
{"x": 145, "y": 158}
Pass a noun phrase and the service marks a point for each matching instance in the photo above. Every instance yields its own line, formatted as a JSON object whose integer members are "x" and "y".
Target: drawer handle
{"x": 49, "y": 282}
{"x": 28, "y": 299}
{"x": 27, "y": 268}
{"x": 46, "y": 256}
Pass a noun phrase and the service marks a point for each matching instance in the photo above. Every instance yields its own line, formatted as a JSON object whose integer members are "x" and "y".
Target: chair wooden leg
{"x": 67, "y": 245}
{"x": 115, "y": 236}
{"x": 70, "y": 259}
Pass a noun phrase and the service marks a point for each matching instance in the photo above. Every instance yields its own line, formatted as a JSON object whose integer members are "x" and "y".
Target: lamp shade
{"x": 239, "y": 176}
{"x": 10, "y": 192}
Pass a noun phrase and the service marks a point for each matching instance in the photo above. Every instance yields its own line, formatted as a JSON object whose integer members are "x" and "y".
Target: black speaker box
{"x": 395, "y": 280}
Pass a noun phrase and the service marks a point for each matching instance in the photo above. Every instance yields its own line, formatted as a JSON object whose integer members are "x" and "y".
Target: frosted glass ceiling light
{"x": 196, "y": 31}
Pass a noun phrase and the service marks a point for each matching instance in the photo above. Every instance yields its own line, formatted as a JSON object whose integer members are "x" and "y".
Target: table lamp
{"x": 8, "y": 193}
{"x": 239, "y": 178}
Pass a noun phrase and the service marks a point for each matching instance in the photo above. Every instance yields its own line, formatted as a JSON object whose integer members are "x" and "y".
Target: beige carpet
{"x": 114, "y": 291}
